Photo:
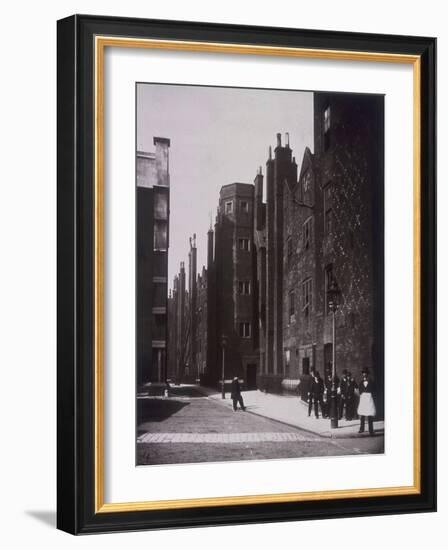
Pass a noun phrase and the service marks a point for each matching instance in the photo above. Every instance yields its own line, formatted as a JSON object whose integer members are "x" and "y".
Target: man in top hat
{"x": 328, "y": 389}
{"x": 315, "y": 395}
{"x": 366, "y": 407}
{"x": 235, "y": 394}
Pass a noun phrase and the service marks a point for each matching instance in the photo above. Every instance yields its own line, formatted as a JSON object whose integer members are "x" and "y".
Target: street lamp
{"x": 333, "y": 297}
{"x": 224, "y": 343}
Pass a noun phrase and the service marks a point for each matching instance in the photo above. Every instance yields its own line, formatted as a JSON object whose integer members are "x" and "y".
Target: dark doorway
{"x": 251, "y": 377}
{"x": 305, "y": 365}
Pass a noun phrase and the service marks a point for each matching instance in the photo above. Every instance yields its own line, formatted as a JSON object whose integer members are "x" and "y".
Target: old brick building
{"x": 177, "y": 326}
{"x": 152, "y": 236}
{"x": 202, "y": 330}
{"x": 329, "y": 228}
{"x": 269, "y": 239}
{"x": 231, "y": 277}
{"x": 275, "y": 249}
{"x": 221, "y": 299}
{"x": 349, "y": 154}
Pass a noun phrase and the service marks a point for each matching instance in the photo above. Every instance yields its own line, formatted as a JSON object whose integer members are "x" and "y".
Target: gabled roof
{"x": 307, "y": 162}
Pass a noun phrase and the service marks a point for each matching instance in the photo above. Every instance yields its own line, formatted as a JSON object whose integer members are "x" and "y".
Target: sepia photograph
{"x": 259, "y": 274}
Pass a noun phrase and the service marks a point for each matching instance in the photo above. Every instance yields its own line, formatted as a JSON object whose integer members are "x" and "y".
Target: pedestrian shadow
{"x": 158, "y": 410}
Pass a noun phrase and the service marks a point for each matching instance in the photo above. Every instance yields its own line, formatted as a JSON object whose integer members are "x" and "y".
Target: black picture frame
{"x": 76, "y": 510}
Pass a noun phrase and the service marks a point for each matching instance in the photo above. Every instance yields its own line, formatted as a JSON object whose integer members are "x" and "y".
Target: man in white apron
{"x": 366, "y": 407}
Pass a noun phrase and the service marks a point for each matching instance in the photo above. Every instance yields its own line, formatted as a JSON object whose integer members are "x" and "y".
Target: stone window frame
{"x": 291, "y": 306}
{"x": 307, "y": 297}
{"x": 228, "y": 207}
{"x": 306, "y": 185}
{"x": 161, "y": 208}
{"x": 245, "y": 208}
{"x": 327, "y": 118}
{"x": 241, "y": 242}
{"x": 160, "y": 238}
{"x": 326, "y": 126}
{"x": 244, "y": 288}
{"x": 307, "y": 232}
{"x": 243, "y": 325}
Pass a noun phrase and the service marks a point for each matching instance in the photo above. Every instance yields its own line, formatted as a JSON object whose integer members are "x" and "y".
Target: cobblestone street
{"x": 189, "y": 427}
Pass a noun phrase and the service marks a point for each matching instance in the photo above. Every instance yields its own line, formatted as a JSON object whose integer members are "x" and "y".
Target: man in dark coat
{"x": 305, "y": 386}
{"x": 343, "y": 386}
{"x": 315, "y": 395}
{"x": 328, "y": 388}
{"x": 350, "y": 397}
{"x": 235, "y": 395}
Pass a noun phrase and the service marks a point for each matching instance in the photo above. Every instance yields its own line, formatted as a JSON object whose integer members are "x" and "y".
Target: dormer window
{"x": 306, "y": 182}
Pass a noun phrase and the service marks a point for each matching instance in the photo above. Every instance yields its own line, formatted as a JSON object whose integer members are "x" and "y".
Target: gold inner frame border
{"x": 100, "y": 43}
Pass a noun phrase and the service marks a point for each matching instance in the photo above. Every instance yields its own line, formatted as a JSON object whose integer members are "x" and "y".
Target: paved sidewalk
{"x": 292, "y": 411}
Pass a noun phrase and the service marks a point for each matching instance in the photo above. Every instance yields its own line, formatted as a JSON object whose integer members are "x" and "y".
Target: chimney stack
{"x": 258, "y": 200}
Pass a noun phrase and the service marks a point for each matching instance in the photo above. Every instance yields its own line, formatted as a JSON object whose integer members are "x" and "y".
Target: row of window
{"x": 244, "y": 206}
{"x": 307, "y": 299}
{"x": 307, "y": 238}
{"x": 307, "y": 228}
{"x": 307, "y": 295}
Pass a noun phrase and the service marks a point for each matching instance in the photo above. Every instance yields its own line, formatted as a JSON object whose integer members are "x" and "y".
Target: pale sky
{"x": 218, "y": 136}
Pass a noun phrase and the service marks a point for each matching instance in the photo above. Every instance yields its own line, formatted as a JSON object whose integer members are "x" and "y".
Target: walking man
{"x": 236, "y": 396}
{"x": 315, "y": 395}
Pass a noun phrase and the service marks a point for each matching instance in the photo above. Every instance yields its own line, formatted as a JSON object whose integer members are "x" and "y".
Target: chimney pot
{"x": 279, "y": 140}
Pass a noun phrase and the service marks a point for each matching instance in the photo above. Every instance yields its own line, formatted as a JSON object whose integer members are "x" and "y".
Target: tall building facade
{"x": 231, "y": 292}
{"x": 202, "y": 329}
{"x": 152, "y": 236}
{"x": 276, "y": 248}
{"x": 349, "y": 194}
{"x": 330, "y": 228}
{"x": 269, "y": 239}
{"x": 219, "y": 308}
{"x": 178, "y": 326}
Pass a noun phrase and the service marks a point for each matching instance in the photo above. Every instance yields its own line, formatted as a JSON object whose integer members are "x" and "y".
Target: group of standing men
{"x": 346, "y": 391}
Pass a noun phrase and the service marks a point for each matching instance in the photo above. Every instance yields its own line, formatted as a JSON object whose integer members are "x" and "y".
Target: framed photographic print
{"x": 246, "y": 274}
